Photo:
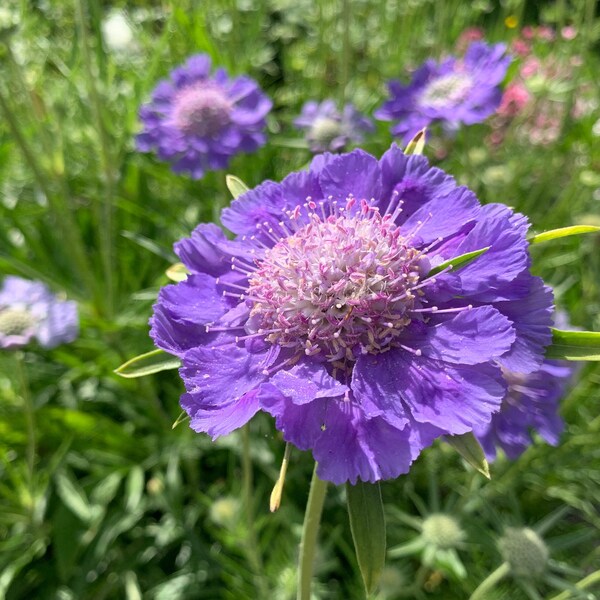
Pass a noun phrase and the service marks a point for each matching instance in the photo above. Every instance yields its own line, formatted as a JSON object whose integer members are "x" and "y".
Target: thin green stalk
{"x": 490, "y": 582}
{"x": 62, "y": 213}
{"x": 346, "y": 50}
{"x": 28, "y": 410}
{"x": 106, "y": 211}
{"x": 252, "y": 547}
{"x": 310, "y": 530}
{"x": 583, "y": 584}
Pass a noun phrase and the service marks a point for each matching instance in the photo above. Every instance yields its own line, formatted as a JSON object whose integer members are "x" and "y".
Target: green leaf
{"x": 367, "y": 523}
{"x": 458, "y": 262}
{"x": 470, "y": 449}
{"x": 417, "y": 144}
{"x": 235, "y": 185}
{"x": 554, "y": 234}
{"x": 574, "y": 345}
{"x": 177, "y": 272}
{"x": 146, "y": 364}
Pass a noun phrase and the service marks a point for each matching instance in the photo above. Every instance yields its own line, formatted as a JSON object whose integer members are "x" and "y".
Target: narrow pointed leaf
{"x": 180, "y": 419}
{"x": 574, "y": 345}
{"x": 417, "y": 144}
{"x": 235, "y": 185}
{"x": 367, "y": 522}
{"x": 177, "y": 272}
{"x": 146, "y": 364}
{"x": 458, "y": 262}
{"x": 470, "y": 449}
{"x": 554, "y": 234}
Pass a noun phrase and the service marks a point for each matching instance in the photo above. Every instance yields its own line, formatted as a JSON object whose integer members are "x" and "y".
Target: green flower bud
{"x": 524, "y": 551}
{"x": 443, "y": 531}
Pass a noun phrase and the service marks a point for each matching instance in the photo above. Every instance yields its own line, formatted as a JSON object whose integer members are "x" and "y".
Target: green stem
{"x": 490, "y": 582}
{"x": 346, "y": 51}
{"x": 310, "y": 530}
{"x": 56, "y": 203}
{"x": 252, "y": 548}
{"x": 29, "y": 421}
{"x": 583, "y": 584}
{"x": 105, "y": 217}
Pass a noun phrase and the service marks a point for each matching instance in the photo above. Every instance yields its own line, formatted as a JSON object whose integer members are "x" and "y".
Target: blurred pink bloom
{"x": 521, "y": 47}
{"x": 528, "y": 32}
{"x": 514, "y": 99}
{"x": 471, "y": 34}
{"x": 530, "y": 67}
{"x": 569, "y": 32}
{"x": 545, "y": 33}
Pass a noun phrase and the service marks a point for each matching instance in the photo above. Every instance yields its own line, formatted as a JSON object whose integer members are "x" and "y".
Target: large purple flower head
{"x": 531, "y": 405}
{"x": 329, "y": 130}
{"x": 453, "y": 92}
{"x": 29, "y": 310}
{"x": 197, "y": 121}
{"x": 332, "y": 310}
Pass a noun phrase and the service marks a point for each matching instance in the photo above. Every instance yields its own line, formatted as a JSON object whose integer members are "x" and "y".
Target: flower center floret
{"x": 324, "y": 130}
{"x": 202, "y": 110}
{"x": 339, "y": 286}
{"x": 15, "y": 321}
{"x": 447, "y": 90}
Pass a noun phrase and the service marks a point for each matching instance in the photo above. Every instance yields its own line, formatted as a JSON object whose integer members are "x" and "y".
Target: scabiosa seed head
{"x": 29, "y": 310}
{"x": 453, "y": 92}
{"x": 325, "y": 311}
{"x": 442, "y": 531}
{"x": 197, "y": 120}
{"x": 524, "y": 551}
{"x": 329, "y": 130}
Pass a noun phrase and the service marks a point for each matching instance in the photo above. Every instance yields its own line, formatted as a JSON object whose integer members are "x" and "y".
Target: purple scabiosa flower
{"x": 327, "y": 129}
{"x": 198, "y": 121}
{"x": 531, "y": 404}
{"x": 453, "y": 92}
{"x": 29, "y": 310}
{"x": 324, "y": 312}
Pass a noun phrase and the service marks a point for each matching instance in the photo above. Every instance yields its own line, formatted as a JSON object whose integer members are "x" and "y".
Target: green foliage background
{"x": 99, "y": 497}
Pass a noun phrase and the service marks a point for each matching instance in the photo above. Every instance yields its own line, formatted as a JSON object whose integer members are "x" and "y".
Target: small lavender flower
{"x": 197, "y": 121}
{"x": 328, "y": 130}
{"x": 324, "y": 312}
{"x": 454, "y": 92}
{"x": 29, "y": 310}
{"x": 531, "y": 405}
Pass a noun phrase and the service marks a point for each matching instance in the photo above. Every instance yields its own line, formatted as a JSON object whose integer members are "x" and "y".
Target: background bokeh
{"x": 99, "y": 496}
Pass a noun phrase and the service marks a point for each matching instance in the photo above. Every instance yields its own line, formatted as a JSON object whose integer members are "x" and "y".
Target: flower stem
{"x": 310, "y": 530}
{"x": 29, "y": 420}
{"x": 584, "y": 583}
{"x": 490, "y": 581}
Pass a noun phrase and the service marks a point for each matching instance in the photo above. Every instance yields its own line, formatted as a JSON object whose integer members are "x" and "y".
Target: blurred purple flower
{"x": 531, "y": 405}
{"x": 197, "y": 121}
{"x": 29, "y": 310}
{"x": 324, "y": 312}
{"x": 454, "y": 92}
{"x": 328, "y": 130}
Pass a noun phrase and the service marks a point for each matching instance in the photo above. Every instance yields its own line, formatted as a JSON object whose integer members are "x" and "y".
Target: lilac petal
{"x": 443, "y": 215}
{"x": 222, "y": 419}
{"x": 301, "y": 424}
{"x": 412, "y": 179}
{"x": 455, "y": 398}
{"x": 532, "y": 319}
{"x": 195, "y": 300}
{"x": 487, "y": 278}
{"x": 218, "y": 375}
{"x": 306, "y": 381}
{"x": 60, "y": 326}
{"x": 352, "y": 447}
{"x": 473, "y": 336}
{"x": 355, "y": 174}
{"x": 375, "y": 387}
